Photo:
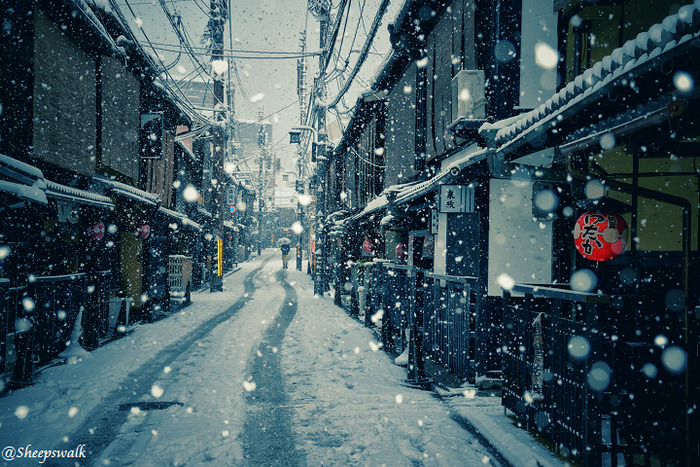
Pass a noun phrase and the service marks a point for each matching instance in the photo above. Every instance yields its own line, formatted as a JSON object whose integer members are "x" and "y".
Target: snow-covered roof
{"x": 129, "y": 191}
{"x": 187, "y": 150}
{"x": 25, "y": 192}
{"x": 660, "y": 39}
{"x": 405, "y": 193}
{"x": 67, "y": 193}
{"x": 18, "y": 169}
{"x": 463, "y": 159}
{"x": 230, "y": 225}
{"x": 184, "y": 220}
{"x": 204, "y": 212}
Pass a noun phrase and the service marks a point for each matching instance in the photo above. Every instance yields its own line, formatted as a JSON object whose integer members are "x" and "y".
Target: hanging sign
{"x": 428, "y": 247}
{"x": 96, "y": 231}
{"x": 143, "y": 231}
{"x": 600, "y": 236}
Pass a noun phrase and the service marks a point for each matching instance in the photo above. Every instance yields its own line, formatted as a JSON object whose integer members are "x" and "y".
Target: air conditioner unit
{"x": 468, "y": 100}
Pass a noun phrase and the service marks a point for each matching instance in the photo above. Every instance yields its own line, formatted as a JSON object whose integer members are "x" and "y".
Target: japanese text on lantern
{"x": 600, "y": 237}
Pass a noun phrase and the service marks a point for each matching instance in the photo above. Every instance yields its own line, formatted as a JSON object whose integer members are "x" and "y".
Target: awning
{"x": 129, "y": 191}
{"x": 21, "y": 172}
{"x": 181, "y": 218}
{"x": 65, "y": 193}
{"x": 25, "y": 181}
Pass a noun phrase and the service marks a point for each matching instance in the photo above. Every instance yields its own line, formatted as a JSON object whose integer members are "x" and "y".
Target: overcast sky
{"x": 270, "y": 26}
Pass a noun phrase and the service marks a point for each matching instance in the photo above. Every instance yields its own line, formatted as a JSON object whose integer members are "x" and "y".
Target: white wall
{"x": 539, "y": 26}
{"x": 518, "y": 245}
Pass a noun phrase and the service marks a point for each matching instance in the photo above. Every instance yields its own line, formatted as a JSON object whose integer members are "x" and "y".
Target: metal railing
{"x": 559, "y": 358}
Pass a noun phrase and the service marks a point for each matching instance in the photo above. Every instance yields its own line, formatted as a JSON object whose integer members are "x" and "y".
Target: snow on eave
{"x": 203, "y": 211}
{"x": 129, "y": 191}
{"x": 96, "y": 24}
{"x": 674, "y": 29}
{"x": 25, "y": 192}
{"x": 19, "y": 167}
{"x": 56, "y": 190}
{"x": 473, "y": 155}
{"x": 184, "y": 220}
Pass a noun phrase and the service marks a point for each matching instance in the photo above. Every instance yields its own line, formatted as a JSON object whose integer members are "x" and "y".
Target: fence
{"x": 398, "y": 297}
{"x": 57, "y": 301}
{"x": 573, "y": 370}
{"x": 449, "y": 311}
{"x": 10, "y": 298}
{"x": 180, "y": 276}
{"x": 96, "y": 320}
{"x": 363, "y": 288}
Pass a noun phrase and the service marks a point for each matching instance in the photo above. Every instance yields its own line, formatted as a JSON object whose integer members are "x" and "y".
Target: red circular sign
{"x": 600, "y": 236}
{"x": 96, "y": 231}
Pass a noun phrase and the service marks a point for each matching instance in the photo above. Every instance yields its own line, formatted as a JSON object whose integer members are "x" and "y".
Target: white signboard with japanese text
{"x": 456, "y": 198}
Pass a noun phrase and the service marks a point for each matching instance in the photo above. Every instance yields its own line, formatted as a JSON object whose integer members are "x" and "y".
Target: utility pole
{"x": 218, "y": 10}
{"x": 261, "y": 198}
{"x": 301, "y": 93}
{"x": 321, "y": 10}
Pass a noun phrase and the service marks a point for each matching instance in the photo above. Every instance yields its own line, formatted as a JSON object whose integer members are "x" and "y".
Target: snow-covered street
{"x": 261, "y": 374}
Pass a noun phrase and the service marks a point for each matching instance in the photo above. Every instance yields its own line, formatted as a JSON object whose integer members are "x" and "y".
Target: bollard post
{"x": 416, "y": 363}
{"x": 23, "y": 373}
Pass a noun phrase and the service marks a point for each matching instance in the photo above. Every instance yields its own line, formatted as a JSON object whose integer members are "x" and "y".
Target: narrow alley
{"x": 251, "y": 376}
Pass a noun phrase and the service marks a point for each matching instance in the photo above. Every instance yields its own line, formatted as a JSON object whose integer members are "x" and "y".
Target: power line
{"x": 185, "y": 103}
{"x": 363, "y": 55}
{"x": 238, "y": 54}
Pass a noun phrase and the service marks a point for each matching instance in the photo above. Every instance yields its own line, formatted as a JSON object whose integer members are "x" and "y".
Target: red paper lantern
{"x": 400, "y": 251}
{"x": 368, "y": 247}
{"x": 96, "y": 231}
{"x": 143, "y": 231}
{"x": 600, "y": 236}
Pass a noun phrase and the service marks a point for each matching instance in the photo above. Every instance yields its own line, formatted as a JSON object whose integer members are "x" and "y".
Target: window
{"x": 285, "y": 177}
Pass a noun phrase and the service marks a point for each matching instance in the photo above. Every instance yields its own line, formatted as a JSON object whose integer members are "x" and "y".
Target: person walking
{"x": 285, "y": 255}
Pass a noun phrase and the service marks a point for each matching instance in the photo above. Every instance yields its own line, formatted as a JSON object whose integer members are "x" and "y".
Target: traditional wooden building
{"x": 541, "y": 225}
{"x": 81, "y": 189}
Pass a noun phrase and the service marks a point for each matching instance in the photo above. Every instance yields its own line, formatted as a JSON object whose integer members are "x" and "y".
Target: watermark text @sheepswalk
{"x": 10, "y": 453}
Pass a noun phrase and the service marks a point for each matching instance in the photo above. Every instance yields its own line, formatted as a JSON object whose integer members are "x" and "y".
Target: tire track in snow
{"x": 267, "y": 435}
{"x": 106, "y": 419}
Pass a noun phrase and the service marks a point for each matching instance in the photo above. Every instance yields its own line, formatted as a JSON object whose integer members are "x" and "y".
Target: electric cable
{"x": 363, "y": 55}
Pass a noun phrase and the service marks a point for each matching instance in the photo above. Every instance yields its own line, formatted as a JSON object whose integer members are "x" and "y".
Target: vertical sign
{"x": 219, "y": 257}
